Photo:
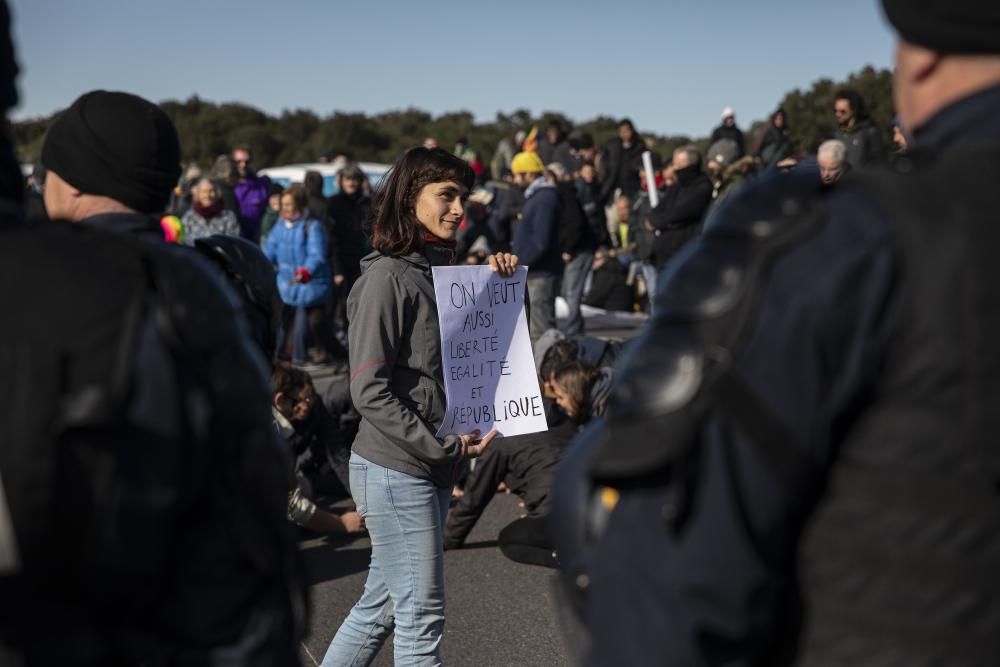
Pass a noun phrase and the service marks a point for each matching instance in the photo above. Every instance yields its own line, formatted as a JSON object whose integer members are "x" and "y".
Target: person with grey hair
{"x": 208, "y": 214}
{"x": 830, "y": 158}
{"x": 678, "y": 216}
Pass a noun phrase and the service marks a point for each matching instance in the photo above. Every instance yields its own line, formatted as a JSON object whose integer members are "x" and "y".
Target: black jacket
{"x": 346, "y": 218}
{"x": 678, "y": 216}
{"x": 526, "y": 463}
{"x": 589, "y": 196}
{"x": 620, "y": 167}
{"x": 730, "y": 132}
{"x": 881, "y": 502}
{"x": 558, "y": 152}
{"x": 318, "y": 205}
{"x": 575, "y": 234}
{"x": 135, "y": 357}
{"x": 864, "y": 143}
{"x": 609, "y": 289}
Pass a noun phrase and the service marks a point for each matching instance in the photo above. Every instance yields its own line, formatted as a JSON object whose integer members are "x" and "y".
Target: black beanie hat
{"x": 117, "y": 145}
{"x": 949, "y": 26}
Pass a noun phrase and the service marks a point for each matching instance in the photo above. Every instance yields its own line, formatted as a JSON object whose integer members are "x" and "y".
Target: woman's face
{"x": 206, "y": 194}
{"x": 563, "y": 399}
{"x": 440, "y": 207}
{"x": 289, "y": 210}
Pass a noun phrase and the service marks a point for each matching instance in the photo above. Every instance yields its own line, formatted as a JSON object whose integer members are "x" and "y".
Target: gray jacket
{"x": 397, "y": 379}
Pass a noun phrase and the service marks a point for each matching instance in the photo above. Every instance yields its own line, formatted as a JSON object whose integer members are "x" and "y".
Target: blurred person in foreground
{"x": 799, "y": 463}
{"x": 146, "y": 489}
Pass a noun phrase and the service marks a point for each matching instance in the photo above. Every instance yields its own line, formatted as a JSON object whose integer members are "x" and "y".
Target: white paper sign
{"x": 489, "y": 370}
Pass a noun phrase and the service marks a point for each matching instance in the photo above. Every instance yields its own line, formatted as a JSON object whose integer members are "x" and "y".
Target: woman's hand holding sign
{"x": 472, "y": 446}
{"x": 503, "y": 262}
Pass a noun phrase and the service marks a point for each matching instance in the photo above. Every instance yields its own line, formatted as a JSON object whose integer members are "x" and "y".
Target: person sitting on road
{"x": 297, "y": 418}
{"x": 609, "y": 288}
{"x": 581, "y": 390}
{"x": 526, "y": 466}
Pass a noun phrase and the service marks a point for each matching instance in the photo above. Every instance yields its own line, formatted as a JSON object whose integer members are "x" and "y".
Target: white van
{"x": 296, "y": 173}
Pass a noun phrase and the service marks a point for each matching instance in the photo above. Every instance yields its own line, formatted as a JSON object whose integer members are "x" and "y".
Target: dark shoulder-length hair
{"x": 395, "y": 230}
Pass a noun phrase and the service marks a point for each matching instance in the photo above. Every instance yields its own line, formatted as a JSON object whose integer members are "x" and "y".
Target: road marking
{"x": 306, "y": 649}
{"x": 10, "y": 561}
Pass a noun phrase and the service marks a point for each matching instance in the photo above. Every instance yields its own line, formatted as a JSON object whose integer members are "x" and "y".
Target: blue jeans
{"x": 542, "y": 309}
{"x": 649, "y": 273}
{"x": 405, "y": 517}
{"x": 574, "y": 278}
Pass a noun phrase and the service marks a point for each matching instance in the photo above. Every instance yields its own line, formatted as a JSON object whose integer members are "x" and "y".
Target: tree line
{"x": 208, "y": 129}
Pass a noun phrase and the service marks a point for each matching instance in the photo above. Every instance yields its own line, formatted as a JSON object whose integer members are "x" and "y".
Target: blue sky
{"x": 669, "y": 65}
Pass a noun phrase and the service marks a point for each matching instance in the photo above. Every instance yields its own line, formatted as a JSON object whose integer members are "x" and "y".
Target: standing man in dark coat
{"x": 146, "y": 488}
{"x": 677, "y": 218}
{"x": 856, "y": 129}
{"x": 621, "y": 161}
{"x": 800, "y": 464}
{"x": 729, "y": 130}
{"x": 347, "y": 215}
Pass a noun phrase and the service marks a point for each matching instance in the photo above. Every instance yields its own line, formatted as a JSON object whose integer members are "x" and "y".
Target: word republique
{"x": 477, "y": 361}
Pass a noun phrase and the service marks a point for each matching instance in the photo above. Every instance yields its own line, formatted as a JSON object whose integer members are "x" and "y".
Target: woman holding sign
{"x": 401, "y": 474}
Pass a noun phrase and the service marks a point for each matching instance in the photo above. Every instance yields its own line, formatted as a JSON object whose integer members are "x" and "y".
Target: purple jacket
{"x": 252, "y": 195}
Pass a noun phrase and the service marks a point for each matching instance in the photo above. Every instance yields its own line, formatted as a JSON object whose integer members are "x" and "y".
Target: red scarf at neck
{"x": 432, "y": 242}
{"x": 208, "y": 212}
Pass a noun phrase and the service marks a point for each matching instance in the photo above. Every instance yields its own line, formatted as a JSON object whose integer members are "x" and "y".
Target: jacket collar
{"x": 536, "y": 185}
{"x": 132, "y": 224}
{"x": 971, "y": 120}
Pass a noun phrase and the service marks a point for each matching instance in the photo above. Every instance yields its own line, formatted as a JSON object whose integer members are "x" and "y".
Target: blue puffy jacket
{"x": 301, "y": 245}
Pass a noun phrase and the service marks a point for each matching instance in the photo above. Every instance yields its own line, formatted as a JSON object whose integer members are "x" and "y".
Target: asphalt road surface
{"x": 498, "y": 612}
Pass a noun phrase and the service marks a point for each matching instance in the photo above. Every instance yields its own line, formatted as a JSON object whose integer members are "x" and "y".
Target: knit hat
{"x": 557, "y": 169}
{"x": 116, "y": 145}
{"x": 527, "y": 163}
{"x": 723, "y": 152}
{"x": 951, "y": 26}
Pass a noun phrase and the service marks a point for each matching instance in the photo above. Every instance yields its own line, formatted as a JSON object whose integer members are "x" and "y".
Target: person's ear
{"x": 276, "y": 401}
{"x": 916, "y": 63}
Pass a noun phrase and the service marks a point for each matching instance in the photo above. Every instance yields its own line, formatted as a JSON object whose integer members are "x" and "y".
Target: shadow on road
{"x": 485, "y": 544}
{"x": 333, "y": 560}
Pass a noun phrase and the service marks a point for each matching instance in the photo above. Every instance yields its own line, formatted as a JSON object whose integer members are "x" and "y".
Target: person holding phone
{"x": 401, "y": 472}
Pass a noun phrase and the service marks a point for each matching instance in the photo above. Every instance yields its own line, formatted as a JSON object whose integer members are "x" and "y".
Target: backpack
{"x": 140, "y": 525}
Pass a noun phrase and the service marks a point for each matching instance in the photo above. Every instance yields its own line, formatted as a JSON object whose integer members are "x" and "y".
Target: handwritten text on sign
{"x": 489, "y": 371}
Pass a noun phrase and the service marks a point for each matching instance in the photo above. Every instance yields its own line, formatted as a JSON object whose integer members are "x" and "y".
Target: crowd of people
{"x": 809, "y": 414}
